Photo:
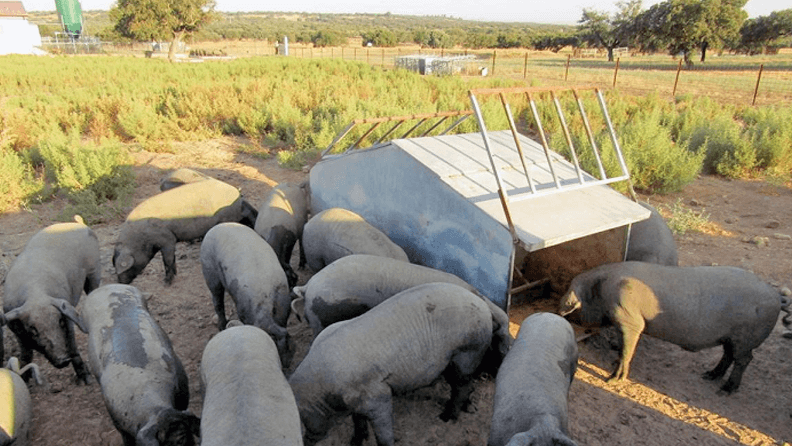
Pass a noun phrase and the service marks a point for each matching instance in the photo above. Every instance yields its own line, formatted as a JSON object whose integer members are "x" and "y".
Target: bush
{"x": 16, "y": 180}
{"x": 726, "y": 152}
{"x": 683, "y": 220}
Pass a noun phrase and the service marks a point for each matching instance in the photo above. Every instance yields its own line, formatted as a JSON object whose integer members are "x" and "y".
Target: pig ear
{"x": 68, "y": 310}
{"x": 10, "y": 316}
{"x": 147, "y": 436}
{"x": 123, "y": 262}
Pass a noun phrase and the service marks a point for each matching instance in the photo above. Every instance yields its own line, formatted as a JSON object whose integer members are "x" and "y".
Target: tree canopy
{"x": 681, "y": 26}
{"x": 601, "y": 30}
{"x": 757, "y": 34}
{"x": 161, "y": 19}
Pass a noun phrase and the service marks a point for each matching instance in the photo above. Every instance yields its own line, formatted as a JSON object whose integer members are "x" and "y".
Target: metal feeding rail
{"x": 556, "y": 186}
{"x": 471, "y": 204}
{"x": 421, "y": 119}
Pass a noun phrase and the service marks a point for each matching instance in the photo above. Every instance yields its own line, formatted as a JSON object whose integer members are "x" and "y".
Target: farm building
{"x": 17, "y": 35}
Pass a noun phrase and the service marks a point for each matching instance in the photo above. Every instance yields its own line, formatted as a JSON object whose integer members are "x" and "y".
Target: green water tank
{"x": 70, "y": 14}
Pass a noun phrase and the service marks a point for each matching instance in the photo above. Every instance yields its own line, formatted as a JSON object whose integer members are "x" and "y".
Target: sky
{"x": 533, "y": 11}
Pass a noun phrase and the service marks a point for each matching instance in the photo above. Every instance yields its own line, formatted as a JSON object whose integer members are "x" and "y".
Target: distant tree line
{"x": 678, "y": 27}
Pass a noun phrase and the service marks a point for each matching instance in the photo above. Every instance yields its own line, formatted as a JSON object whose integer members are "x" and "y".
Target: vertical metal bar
{"x": 545, "y": 145}
{"x": 590, "y": 134}
{"x": 568, "y": 137}
{"x": 616, "y": 146}
{"x": 504, "y": 199}
{"x": 516, "y": 137}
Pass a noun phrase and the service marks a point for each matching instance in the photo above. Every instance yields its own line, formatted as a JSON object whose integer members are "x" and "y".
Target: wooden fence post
{"x": 676, "y": 81}
{"x": 566, "y": 73}
{"x": 525, "y": 66}
{"x": 758, "y": 79}
{"x": 616, "y": 71}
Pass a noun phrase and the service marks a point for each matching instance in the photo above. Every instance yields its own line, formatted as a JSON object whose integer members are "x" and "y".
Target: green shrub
{"x": 769, "y": 130}
{"x": 726, "y": 151}
{"x": 683, "y": 219}
{"x": 16, "y": 180}
{"x": 657, "y": 164}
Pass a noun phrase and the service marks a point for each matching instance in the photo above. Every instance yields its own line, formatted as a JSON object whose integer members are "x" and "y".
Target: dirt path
{"x": 665, "y": 402}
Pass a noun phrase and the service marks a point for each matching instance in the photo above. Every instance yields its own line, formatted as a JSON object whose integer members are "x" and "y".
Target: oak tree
{"x": 161, "y": 19}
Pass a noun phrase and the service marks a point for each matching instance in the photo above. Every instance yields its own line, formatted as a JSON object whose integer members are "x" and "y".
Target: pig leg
{"x": 92, "y": 281}
{"x": 463, "y": 364}
{"x": 740, "y": 363}
{"x": 282, "y": 241}
{"x": 169, "y": 260}
{"x": 723, "y": 365}
{"x": 375, "y": 405}
{"x": 630, "y": 327}
{"x": 302, "y": 254}
{"x": 83, "y": 375}
{"x": 218, "y": 299}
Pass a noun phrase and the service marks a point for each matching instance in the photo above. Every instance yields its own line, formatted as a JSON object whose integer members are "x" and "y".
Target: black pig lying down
{"x": 532, "y": 386}
{"x": 42, "y": 288}
{"x": 652, "y": 241}
{"x": 180, "y": 177}
{"x": 144, "y": 385}
{"x": 181, "y": 214}
{"x": 336, "y": 232}
{"x": 16, "y": 407}
{"x": 692, "y": 307}
{"x": 236, "y": 259}
{"x": 352, "y": 285}
{"x": 281, "y": 218}
{"x": 247, "y": 398}
{"x": 356, "y": 366}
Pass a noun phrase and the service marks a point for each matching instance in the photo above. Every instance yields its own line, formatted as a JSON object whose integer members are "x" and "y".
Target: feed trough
{"x": 469, "y": 203}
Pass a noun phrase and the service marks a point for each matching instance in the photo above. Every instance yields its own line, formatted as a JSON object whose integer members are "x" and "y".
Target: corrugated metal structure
{"x": 438, "y": 65}
{"x": 70, "y": 14}
{"x": 466, "y": 203}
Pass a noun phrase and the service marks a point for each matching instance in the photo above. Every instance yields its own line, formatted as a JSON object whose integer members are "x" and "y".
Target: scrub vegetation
{"x": 67, "y": 124}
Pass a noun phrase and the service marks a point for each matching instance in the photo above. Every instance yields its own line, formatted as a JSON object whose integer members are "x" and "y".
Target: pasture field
{"x": 66, "y": 122}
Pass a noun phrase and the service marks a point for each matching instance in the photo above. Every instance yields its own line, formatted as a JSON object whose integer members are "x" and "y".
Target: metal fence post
{"x": 525, "y": 66}
{"x": 676, "y": 81}
{"x": 616, "y": 71}
{"x": 758, "y": 79}
{"x": 494, "y": 53}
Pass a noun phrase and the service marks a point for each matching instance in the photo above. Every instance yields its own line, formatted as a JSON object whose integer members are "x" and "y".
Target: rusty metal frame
{"x": 421, "y": 119}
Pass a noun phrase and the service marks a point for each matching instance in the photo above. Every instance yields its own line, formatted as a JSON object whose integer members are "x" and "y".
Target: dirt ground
{"x": 665, "y": 401}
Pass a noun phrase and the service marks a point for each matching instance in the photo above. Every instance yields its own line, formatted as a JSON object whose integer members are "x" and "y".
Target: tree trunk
{"x": 704, "y": 46}
{"x": 177, "y": 37}
{"x": 610, "y": 54}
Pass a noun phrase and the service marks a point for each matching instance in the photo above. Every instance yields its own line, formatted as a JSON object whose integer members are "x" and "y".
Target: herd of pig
{"x": 381, "y": 324}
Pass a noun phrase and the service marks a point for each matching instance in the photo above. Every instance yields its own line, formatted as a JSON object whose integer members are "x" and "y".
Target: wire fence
{"x": 741, "y": 80}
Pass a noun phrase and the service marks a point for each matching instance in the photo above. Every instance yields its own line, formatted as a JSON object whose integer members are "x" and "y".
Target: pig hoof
{"x": 711, "y": 376}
